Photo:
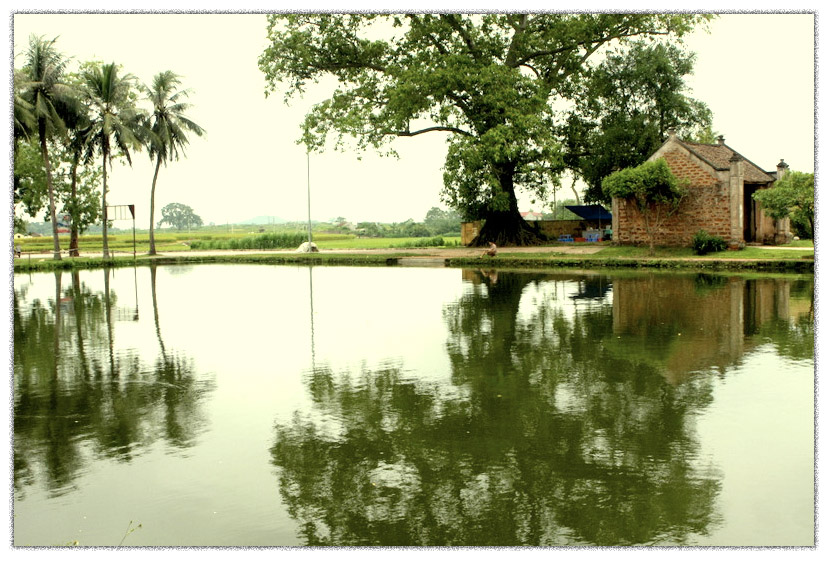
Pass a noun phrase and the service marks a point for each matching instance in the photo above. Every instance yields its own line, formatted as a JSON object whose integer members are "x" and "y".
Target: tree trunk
{"x": 507, "y": 227}
{"x": 73, "y": 228}
{"x": 44, "y": 152}
{"x": 575, "y": 191}
{"x": 152, "y": 205}
{"x": 104, "y": 209}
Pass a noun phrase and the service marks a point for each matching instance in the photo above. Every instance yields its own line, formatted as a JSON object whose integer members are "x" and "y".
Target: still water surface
{"x": 255, "y": 405}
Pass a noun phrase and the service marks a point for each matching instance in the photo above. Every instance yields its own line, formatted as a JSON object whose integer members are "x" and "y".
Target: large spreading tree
{"x": 494, "y": 82}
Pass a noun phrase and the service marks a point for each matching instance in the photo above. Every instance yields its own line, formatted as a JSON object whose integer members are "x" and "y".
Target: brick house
{"x": 719, "y": 201}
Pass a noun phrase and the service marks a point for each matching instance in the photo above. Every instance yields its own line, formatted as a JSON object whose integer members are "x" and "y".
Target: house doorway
{"x": 749, "y": 213}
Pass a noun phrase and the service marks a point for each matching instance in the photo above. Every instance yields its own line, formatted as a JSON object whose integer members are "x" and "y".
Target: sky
{"x": 755, "y": 71}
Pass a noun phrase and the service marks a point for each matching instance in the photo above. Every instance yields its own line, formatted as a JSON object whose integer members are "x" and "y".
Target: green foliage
{"x": 793, "y": 197}
{"x": 489, "y": 81}
{"x": 705, "y": 135}
{"x": 29, "y": 177}
{"x": 407, "y": 229}
{"x": 652, "y": 187}
{"x": 651, "y": 183}
{"x": 559, "y": 212}
{"x": 167, "y": 128}
{"x": 263, "y": 241}
{"x": 704, "y": 242}
{"x": 440, "y": 221}
{"x": 31, "y": 195}
{"x": 436, "y": 241}
{"x": 625, "y": 111}
{"x": 114, "y": 126}
{"x": 45, "y": 99}
{"x": 168, "y": 124}
{"x": 179, "y": 216}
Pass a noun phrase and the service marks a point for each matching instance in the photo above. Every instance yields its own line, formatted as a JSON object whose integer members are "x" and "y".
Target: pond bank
{"x": 536, "y": 258}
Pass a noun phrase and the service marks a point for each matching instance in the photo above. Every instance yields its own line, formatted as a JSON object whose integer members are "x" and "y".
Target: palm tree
{"x": 168, "y": 128}
{"x": 25, "y": 122}
{"x": 75, "y": 148}
{"x": 114, "y": 122}
{"x": 24, "y": 125}
{"x": 51, "y": 101}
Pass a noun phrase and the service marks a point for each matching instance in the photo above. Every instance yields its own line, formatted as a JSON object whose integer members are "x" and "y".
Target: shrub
{"x": 263, "y": 241}
{"x": 706, "y": 243}
{"x": 436, "y": 241}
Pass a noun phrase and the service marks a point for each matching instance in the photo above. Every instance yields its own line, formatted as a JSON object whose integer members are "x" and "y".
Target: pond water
{"x": 254, "y": 405}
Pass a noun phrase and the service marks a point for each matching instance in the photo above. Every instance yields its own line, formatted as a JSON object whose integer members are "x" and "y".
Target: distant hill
{"x": 264, "y": 220}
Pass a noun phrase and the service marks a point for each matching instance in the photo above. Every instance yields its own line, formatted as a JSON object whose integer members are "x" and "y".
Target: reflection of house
{"x": 592, "y": 288}
{"x": 694, "y": 324}
{"x": 721, "y": 185}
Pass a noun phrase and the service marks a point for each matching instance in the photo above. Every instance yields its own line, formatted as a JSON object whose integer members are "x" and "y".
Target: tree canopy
{"x": 491, "y": 81}
{"x": 179, "y": 216}
{"x": 652, "y": 188}
{"x": 792, "y": 197}
{"x": 627, "y": 106}
{"x": 45, "y": 101}
{"x": 114, "y": 122}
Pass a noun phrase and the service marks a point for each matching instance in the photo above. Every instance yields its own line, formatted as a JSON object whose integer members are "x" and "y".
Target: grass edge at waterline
{"x": 796, "y": 262}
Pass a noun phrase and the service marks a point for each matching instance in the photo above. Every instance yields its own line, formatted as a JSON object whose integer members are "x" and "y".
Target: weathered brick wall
{"x": 555, "y": 228}
{"x": 705, "y": 208}
{"x": 550, "y": 228}
{"x": 469, "y": 230}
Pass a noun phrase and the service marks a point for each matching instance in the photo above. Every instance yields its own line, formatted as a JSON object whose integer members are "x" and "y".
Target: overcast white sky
{"x": 755, "y": 71}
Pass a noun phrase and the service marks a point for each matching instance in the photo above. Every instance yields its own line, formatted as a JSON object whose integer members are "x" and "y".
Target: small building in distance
{"x": 721, "y": 183}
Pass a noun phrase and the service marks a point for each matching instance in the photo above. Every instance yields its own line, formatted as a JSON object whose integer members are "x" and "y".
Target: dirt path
{"x": 474, "y": 252}
{"x": 414, "y": 252}
{"x": 432, "y": 252}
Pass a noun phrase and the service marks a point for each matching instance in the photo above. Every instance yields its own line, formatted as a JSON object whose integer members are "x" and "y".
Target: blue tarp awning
{"x": 590, "y": 212}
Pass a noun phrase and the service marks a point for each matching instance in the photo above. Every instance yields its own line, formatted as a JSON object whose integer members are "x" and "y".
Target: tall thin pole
{"x": 308, "y": 182}
{"x": 133, "y": 238}
{"x": 311, "y": 293}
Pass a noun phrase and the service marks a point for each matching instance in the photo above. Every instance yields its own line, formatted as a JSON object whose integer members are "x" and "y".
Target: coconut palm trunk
{"x": 152, "y": 205}
{"x": 166, "y": 129}
{"x": 73, "y": 228}
{"x": 104, "y": 210}
{"x": 44, "y": 152}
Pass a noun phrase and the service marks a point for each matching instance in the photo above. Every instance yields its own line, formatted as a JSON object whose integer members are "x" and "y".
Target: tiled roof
{"x": 718, "y": 155}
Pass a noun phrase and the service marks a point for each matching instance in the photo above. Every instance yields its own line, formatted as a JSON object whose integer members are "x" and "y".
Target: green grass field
{"x": 167, "y": 242}
{"x": 172, "y": 243}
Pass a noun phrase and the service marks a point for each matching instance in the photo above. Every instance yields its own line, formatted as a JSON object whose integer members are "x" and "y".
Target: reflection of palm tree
{"x": 78, "y": 310}
{"x": 153, "y": 268}
{"x": 181, "y": 392}
{"x": 63, "y": 401}
{"x": 108, "y": 316}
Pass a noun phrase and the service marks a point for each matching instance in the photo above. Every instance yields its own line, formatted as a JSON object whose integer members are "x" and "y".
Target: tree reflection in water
{"x": 75, "y": 397}
{"x": 565, "y": 425}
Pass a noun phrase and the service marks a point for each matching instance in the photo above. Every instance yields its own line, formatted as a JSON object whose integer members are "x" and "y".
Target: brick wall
{"x": 550, "y": 228}
{"x": 469, "y": 230}
{"x": 705, "y": 208}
